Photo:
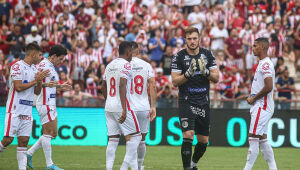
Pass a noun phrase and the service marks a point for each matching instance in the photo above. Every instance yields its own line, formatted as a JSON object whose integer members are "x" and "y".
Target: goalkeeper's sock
{"x": 111, "y": 152}
{"x": 186, "y": 152}
{"x": 199, "y": 151}
{"x": 267, "y": 153}
{"x": 252, "y": 152}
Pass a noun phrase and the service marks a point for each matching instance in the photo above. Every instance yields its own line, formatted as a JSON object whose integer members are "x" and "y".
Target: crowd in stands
{"x": 92, "y": 29}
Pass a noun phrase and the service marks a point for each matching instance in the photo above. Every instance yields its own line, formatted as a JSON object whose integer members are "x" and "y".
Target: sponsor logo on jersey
{"x": 52, "y": 95}
{"x": 197, "y": 90}
{"x": 266, "y": 66}
{"x": 42, "y": 64}
{"x": 127, "y": 66}
{"x": 187, "y": 57}
{"x": 198, "y": 111}
{"x": 26, "y": 102}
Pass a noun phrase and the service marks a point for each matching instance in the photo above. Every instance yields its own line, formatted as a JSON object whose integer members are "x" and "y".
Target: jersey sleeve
{"x": 125, "y": 71}
{"x": 150, "y": 71}
{"x": 176, "y": 64}
{"x": 266, "y": 70}
{"x": 211, "y": 61}
{"x": 104, "y": 75}
{"x": 16, "y": 72}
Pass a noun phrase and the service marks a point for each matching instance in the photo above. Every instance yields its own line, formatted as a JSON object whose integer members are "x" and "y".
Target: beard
{"x": 191, "y": 48}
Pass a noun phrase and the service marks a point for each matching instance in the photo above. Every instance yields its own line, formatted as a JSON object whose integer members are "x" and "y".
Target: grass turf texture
{"x": 157, "y": 158}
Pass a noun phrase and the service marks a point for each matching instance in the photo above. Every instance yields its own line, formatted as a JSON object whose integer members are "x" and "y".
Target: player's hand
{"x": 52, "y": 84}
{"x": 39, "y": 76}
{"x": 191, "y": 70}
{"x": 202, "y": 67}
{"x": 122, "y": 118}
{"x": 66, "y": 87}
{"x": 152, "y": 113}
{"x": 250, "y": 100}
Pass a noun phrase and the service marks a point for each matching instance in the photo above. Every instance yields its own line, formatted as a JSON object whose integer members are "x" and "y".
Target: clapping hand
{"x": 39, "y": 76}
{"x": 202, "y": 65}
{"x": 191, "y": 70}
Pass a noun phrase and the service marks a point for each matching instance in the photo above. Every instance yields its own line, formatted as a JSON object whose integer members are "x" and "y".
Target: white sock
{"x": 21, "y": 157}
{"x": 141, "y": 152}
{"x": 35, "y": 147}
{"x": 268, "y": 154}
{"x": 46, "y": 144}
{"x": 111, "y": 152}
{"x": 2, "y": 148}
{"x": 252, "y": 152}
{"x": 131, "y": 153}
{"x": 193, "y": 164}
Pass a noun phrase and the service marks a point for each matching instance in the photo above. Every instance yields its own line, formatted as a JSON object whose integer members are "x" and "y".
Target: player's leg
{"x": 131, "y": 131}
{"x": 10, "y": 128}
{"x": 255, "y": 133}
{"x": 23, "y": 134}
{"x": 38, "y": 144}
{"x": 202, "y": 124}
{"x": 265, "y": 147}
{"x": 144, "y": 121}
{"x": 187, "y": 123}
{"x": 114, "y": 133}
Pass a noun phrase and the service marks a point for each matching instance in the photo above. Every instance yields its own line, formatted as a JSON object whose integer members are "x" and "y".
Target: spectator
{"x": 91, "y": 79}
{"x": 4, "y": 47}
{"x": 196, "y": 18}
{"x": 285, "y": 85}
{"x": 166, "y": 62}
{"x": 6, "y": 9}
{"x": 231, "y": 88}
{"x": 34, "y": 36}
{"x": 218, "y": 35}
{"x": 177, "y": 41}
{"x": 134, "y": 31}
{"x": 297, "y": 45}
{"x": 234, "y": 50}
{"x": 205, "y": 39}
{"x": 160, "y": 79}
{"x": 25, "y": 26}
{"x": 84, "y": 18}
{"x": 156, "y": 46}
{"x": 238, "y": 20}
{"x": 288, "y": 56}
{"x": 279, "y": 67}
{"x": 167, "y": 97}
{"x": 76, "y": 96}
{"x": 120, "y": 25}
{"x": 16, "y": 42}
{"x": 28, "y": 16}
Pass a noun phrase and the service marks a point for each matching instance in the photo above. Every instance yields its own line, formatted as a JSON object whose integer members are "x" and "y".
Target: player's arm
{"x": 268, "y": 87}
{"x": 122, "y": 92}
{"x": 214, "y": 75}
{"x": 152, "y": 86}
{"x": 178, "y": 79}
{"x": 104, "y": 89}
{"x": 38, "y": 79}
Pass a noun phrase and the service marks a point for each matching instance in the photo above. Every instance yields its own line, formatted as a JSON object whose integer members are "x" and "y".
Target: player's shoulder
{"x": 17, "y": 66}
{"x": 206, "y": 52}
{"x": 266, "y": 64}
{"x": 181, "y": 53}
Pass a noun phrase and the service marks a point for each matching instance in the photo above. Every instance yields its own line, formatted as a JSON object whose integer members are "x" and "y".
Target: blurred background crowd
{"x": 92, "y": 29}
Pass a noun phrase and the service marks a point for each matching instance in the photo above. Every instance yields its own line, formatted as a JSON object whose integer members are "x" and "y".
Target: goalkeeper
{"x": 192, "y": 69}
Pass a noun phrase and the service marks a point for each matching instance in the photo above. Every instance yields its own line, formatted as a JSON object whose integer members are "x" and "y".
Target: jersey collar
{"x": 49, "y": 62}
{"x": 25, "y": 63}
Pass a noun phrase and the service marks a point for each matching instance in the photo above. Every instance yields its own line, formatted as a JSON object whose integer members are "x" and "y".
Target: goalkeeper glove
{"x": 202, "y": 67}
{"x": 191, "y": 70}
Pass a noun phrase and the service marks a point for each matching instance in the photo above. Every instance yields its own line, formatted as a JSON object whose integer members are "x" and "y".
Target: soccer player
{"x": 192, "y": 70}
{"x": 46, "y": 105}
{"x": 143, "y": 76}
{"x": 24, "y": 82}
{"x": 262, "y": 109}
{"x": 119, "y": 116}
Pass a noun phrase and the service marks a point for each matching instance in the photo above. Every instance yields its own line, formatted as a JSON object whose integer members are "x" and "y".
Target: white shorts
{"x": 144, "y": 120}
{"x": 250, "y": 61}
{"x": 15, "y": 124}
{"x": 259, "y": 121}
{"x": 129, "y": 126}
{"x": 47, "y": 113}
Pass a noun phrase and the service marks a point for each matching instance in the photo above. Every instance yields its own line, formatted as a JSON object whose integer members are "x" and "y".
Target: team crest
{"x": 184, "y": 124}
{"x": 127, "y": 66}
{"x": 16, "y": 67}
{"x": 186, "y": 57}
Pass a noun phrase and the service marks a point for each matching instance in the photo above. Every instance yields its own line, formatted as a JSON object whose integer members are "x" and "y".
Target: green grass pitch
{"x": 157, "y": 158}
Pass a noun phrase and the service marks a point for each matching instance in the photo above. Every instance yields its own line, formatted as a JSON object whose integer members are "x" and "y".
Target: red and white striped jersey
{"x": 69, "y": 57}
{"x": 282, "y": 40}
{"x": 136, "y": 9}
{"x": 142, "y": 72}
{"x": 48, "y": 23}
{"x": 20, "y": 102}
{"x": 98, "y": 55}
{"x": 91, "y": 86}
{"x": 294, "y": 19}
{"x": 118, "y": 68}
{"x": 86, "y": 59}
{"x": 228, "y": 18}
{"x": 56, "y": 37}
{"x": 264, "y": 69}
{"x": 255, "y": 19}
{"x": 48, "y": 94}
{"x": 70, "y": 23}
{"x": 126, "y": 5}
{"x": 77, "y": 56}
{"x": 218, "y": 16}
{"x": 112, "y": 15}
{"x": 250, "y": 38}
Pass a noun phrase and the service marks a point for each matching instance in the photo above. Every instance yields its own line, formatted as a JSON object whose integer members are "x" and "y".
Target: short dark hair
{"x": 58, "y": 50}
{"x": 190, "y": 30}
{"x": 263, "y": 41}
{"x": 124, "y": 47}
{"x": 134, "y": 45}
{"x": 33, "y": 47}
